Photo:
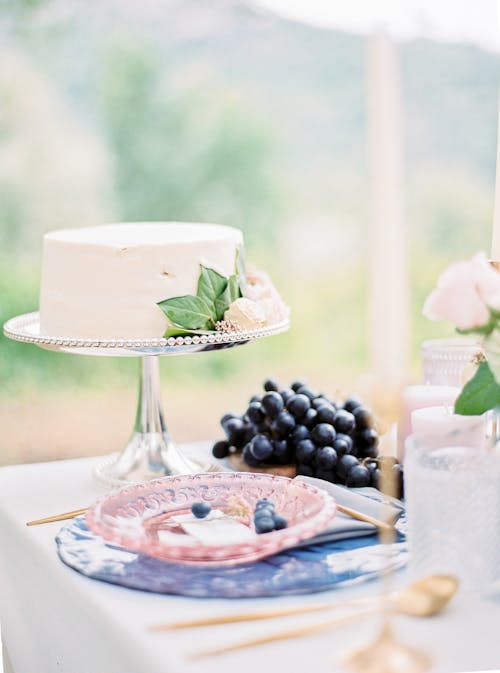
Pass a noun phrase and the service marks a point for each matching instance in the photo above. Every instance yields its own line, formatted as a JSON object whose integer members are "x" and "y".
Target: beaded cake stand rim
{"x": 17, "y": 329}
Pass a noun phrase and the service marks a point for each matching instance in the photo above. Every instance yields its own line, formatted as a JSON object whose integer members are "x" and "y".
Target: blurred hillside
{"x": 221, "y": 112}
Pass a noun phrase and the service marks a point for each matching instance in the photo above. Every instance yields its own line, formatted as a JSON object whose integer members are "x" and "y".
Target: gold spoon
{"x": 423, "y": 598}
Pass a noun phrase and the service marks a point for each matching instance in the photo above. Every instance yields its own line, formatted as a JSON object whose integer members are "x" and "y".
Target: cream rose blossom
{"x": 247, "y": 313}
{"x": 259, "y": 288}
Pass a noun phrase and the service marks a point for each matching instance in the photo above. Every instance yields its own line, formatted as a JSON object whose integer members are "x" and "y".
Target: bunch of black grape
{"x": 325, "y": 439}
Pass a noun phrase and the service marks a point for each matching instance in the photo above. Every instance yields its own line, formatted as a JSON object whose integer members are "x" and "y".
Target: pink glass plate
{"x": 132, "y": 516}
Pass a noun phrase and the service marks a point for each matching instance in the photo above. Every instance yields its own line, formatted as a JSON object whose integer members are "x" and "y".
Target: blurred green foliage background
{"x": 221, "y": 112}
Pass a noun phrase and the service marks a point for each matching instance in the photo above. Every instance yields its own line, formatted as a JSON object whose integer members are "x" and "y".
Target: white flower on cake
{"x": 260, "y": 288}
{"x": 248, "y": 314}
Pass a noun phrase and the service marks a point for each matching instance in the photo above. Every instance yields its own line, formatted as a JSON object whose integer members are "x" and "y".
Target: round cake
{"x": 137, "y": 280}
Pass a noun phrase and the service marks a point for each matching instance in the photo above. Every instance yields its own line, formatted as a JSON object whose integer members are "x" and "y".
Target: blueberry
{"x": 264, "y": 524}
{"x": 261, "y": 447}
{"x": 271, "y": 384}
{"x": 272, "y": 403}
{"x": 279, "y": 522}
{"x": 220, "y": 449}
{"x": 300, "y": 432}
{"x": 249, "y": 458}
{"x": 263, "y": 512}
{"x": 342, "y": 444}
{"x": 284, "y": 423}
{"x": 326, "y": 413}
{"x": 363, "y": 418}
{"x": 298, "y": 405}
{"x": 286, "y": 394}
{"x": 352, "y": 403}
{"x": 345, "y": 464}
{"x": 281, "y": 452}
{"x": 298, "y": 384}
{"x": 200, "y": 509}
{"x": 235, "y": 431}
{"x": 310, "y": 418}
{"x": 305, "y": 451}
{"x": 325, "y": 458}
{"x": 305, "y": 470}
{"x": 304, "y": 390}
{"x": 344, "y": 421}
{"x": 358, "y": 476}
{"x": 323, "y": 434}
{"x": 264, "y": 502}
{"x": 255, "y": 413}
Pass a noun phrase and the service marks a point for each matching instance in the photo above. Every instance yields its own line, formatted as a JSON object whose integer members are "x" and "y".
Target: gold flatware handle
{"x": 364, "y": 517}
{"x": 284, "y": 635}
{"x": 240, "y": 617}
{"x": 57, "y": 517}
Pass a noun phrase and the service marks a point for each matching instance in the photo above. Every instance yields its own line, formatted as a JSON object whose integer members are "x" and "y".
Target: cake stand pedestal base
{"x": 150, "y": 451}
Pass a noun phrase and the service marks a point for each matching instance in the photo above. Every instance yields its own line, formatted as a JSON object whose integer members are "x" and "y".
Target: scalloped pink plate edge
{"x": 132, "y": 535}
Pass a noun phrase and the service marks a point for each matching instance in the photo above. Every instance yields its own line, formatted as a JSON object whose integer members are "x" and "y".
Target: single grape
{"x": 282, "y": 453}
{"x": 363, "y": 418}
{"x": 310, "y": 418}
{"x": 305, "y": 451}
{"x": 325, "y": 458}
{"x": 298, "y": 405}
{"x": 326, "y": 413}
{"x": 220, "y": 449}
{"x": 358, "y": 476}
{"x": 235, "y": 431}
{"x": 300, "y": 432}
{"x": 248, "y": 456}
{"x": 298, "y": 384}
{"x": 323, "y": 434}
{"x": 261, "y": 447}
{"x": 272, "y": 403}
{"x": 345, "y": 464}
{"x": 284, "y": 423}
{"x": 226, "y": 418}
{"x": 271, "y": 384}
{"x": 352, "y": 403}
{"x": 307, "y": 392}
{"x": 255, "y": 413}
{"x": 342, "y": 444}
{"x": 369, "y": 437}
{"x": 344, "y": 421}
{"x": 261, "y": 512}
{"x": 255, "y": 398}
{"x": 286, "y": 394}
{"x": 399, "y": 479}
{"x": 200, "y": 509}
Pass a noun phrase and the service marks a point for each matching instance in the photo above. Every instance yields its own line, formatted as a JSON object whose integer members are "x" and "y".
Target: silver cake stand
{"x": 150, "y": 451}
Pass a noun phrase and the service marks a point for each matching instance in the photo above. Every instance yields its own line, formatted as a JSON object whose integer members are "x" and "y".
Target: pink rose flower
{"x": 465, "y": 293}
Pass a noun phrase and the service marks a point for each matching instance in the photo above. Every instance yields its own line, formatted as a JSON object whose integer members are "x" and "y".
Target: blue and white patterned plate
{"x": 305, "y": 570}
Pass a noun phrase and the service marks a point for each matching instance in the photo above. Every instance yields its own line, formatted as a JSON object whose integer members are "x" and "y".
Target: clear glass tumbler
{"x": 453, "y": 513}
{"x": 444, "y": 360}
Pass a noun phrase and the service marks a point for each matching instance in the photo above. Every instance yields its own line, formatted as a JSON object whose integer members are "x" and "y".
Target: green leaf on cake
{"x": 479, "y": 394}
{"x": 188, "y": 312}
{"x": 240, "y": 266}
{"x": 210, "y": 286}
{"x": 226, "y": 298}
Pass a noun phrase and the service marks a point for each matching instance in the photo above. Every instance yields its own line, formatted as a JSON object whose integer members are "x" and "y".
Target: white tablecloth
{"x": 56, "y": 621}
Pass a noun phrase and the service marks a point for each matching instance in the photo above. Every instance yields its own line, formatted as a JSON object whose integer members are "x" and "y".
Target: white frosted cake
{"x": 107, "y": 281}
